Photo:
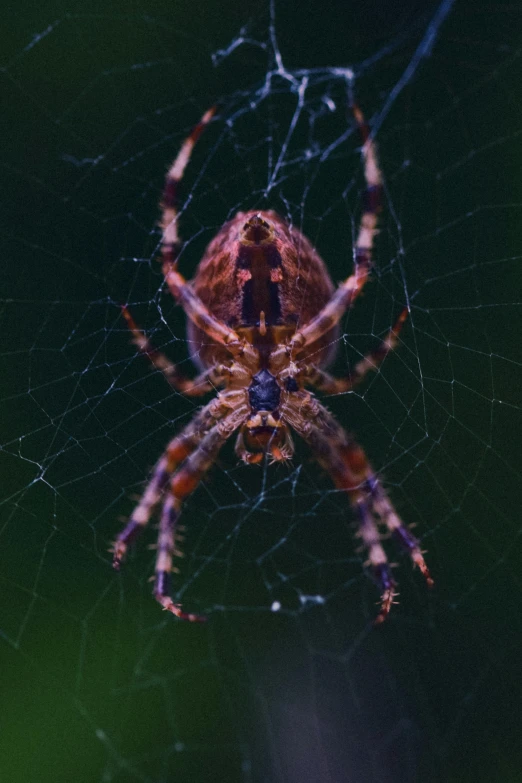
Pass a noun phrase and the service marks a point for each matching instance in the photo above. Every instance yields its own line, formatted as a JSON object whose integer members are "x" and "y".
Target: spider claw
{"x": 119, "y": 550}
{"x": 386, "y": 605}
{"x": 192, "y": 618}
{"x": 419, "y": 561}
{"x": 411, "y": 545}
{"x": 388, "y": 586}
{"x": 169, "y": 606}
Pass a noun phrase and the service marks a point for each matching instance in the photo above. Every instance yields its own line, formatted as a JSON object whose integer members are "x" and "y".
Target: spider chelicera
{"x": 263, "y": 318}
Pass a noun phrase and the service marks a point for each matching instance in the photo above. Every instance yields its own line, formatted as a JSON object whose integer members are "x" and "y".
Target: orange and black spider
{"x": 264, "y": 316}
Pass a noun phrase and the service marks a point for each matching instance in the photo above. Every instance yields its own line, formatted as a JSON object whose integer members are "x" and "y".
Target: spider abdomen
{"x": 256, "y": 271}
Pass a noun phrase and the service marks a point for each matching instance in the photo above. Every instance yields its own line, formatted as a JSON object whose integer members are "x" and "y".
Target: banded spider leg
{"x": 350, "y": 470}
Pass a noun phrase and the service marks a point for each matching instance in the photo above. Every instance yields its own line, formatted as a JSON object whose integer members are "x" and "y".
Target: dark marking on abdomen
{"x": 259, "y": 292}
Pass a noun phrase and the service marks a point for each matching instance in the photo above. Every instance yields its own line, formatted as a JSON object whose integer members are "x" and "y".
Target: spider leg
{"x": 192, "y": 387}
{"x": 176, "y": 452}
{"x": 350, "y": 289}
{"x": 201, "y": 316}
{"x": 183, "y": 483}
{"x": 351, "y": 472}
{"x": 372, "y": 196}
{"x": 398, "y": 530}
{"x": 171, "y": 245}
{"x": 170, "y": 248}
{"x": 324, "y": 382}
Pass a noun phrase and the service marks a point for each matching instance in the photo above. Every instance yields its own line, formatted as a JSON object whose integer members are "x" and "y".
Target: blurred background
{"x": 288, "y": 681}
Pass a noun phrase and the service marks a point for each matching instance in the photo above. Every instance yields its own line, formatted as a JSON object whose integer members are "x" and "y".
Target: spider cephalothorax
{"x": 263, "y": 323}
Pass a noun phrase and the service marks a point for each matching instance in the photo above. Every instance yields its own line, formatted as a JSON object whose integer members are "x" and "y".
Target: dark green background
{"x": 97, "y": 684}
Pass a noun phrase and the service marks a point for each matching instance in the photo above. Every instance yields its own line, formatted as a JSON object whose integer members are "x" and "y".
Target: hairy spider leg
{"x": 201, "y": 316}
{"x": 192, "y": 387}
{"x": 348, "y": 467}
{"x": 350, "y": 289}
{"x": 183, "y": 483}
{"x": 372, "y": 195}
{"x": 324, "y": 382}
{"x": 171, "y": 245}
{"x": 176, "y": 452}
{"x": 408, "y": 542}
{"x": 351, "y": 471}
{"x": 369, "y": 533}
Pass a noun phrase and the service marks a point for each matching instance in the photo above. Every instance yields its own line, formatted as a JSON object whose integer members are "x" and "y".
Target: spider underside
{"x": 264, "y": 316}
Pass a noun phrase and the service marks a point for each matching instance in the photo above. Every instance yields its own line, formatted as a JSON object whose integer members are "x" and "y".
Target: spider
{"x": 263, "y": 315}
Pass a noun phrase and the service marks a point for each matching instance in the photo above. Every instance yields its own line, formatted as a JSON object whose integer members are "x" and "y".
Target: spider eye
{"x": 255, "y": 222}
{"x": 291, "y": 385}
{"x": 257, "y": 230}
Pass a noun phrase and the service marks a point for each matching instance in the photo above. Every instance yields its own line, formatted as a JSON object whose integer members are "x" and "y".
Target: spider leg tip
{"x": 190, "y": 617}
{"x": 388, "y": 595}
{"x": 187, "y": 616}
{"x": 381, "y": 617}
{"x": 198, "y": 618}
{"x": 419, "y": 561}
{"x": 118, "y": 550}
{"x": 168, "y": 605}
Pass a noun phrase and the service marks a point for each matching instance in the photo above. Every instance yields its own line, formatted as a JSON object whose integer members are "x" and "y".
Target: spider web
{"x": 289, "y": 681}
